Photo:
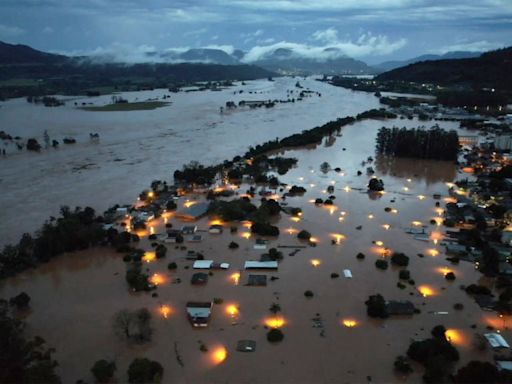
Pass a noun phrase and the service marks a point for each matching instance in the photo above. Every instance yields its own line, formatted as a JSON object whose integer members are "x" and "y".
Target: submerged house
{"x": 261, "y": 265}
{"x": 199, "y": 313}
{"x": 193, "y": 212}
{"x": 399, "y": 307}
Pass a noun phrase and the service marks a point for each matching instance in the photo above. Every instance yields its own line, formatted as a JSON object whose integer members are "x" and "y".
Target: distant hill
{"x": 330, "y": 62}
{"x": 23, "y": 54}
{"x": 490, "y": 70}
{"x": 26, "y": 71}
{"x": 389, "y": 65}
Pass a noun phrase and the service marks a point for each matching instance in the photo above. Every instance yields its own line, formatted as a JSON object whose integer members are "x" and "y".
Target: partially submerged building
{"x": 199, "y": 313}
{"x": 261, "y": 264}
{"x": 193, "y": 212}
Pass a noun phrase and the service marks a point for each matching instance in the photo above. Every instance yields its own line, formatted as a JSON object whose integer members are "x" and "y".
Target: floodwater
{"x": 137, "y": 147}
{"x": 75, "y": 297}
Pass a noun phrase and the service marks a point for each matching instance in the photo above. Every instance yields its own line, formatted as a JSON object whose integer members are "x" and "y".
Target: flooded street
{"x": 137, "y": 147}
{"x": 74, "y": 297}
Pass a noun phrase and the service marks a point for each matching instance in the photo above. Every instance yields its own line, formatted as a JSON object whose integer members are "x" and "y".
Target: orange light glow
{"x": 421, "y": 197}
{"x": 246, "y": 235}
{"x": 246, "y": 224}
{"x": 349, "y": 323}
{"x": 275, "y": 322}
{"x": 416, "y": 223}
{"x": 426, "y": 291}
{"x": 341, "y": 218}
{"x": 216, "y": 222}
{"x": 149, "y": 256}
{"x": 386, "y": 226}
{"x": 379, "y": 243}
{"x": 406, "y": 189}
{"x": 292, "y": 231}
{"x": 343, "y": 213}
{"x": 295, "y": 219}
{"x": 232, "y": 310}
{"x": 468, "y": 170}
{"x": 346, "y": 189}
{"x": 395, "y": 211}
{"x": 338, "y": 237}
{"x": 313, "y": 240}
{"x": 157, "y": 279}
{"x": 187, "y": 203}
{"x": 439, "y": 211}
{"x": 370, "y": 216}
{"x": 235, "y": 277}
{"x": 433, "y": 252}
{"x": 332, "y": 210}
{"x": 315, "y": 262}
{"x": 450, "y": 200}
{"x": 455, "y": 336}
{"x": 152, "y": 230}
{"x": 165, "y": 310}
{"x": 151, "y": 194}
{"x": 219, "y": 354}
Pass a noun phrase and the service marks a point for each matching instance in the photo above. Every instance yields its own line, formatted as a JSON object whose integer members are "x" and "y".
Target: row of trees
{"x": 434, "y": 143}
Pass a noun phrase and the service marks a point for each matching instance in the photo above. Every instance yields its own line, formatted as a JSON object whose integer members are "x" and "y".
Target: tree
{"x": 133, "y": 326}
{"x": 275, "y": 335}
{"x": 304, "y": 235}
{"x": 103, "y": 370}
{"x": 160, "y": 251}
{"x": 399, "y": 259}
{"x": 22, "y": 360}
{"x": 20, "y": 301}
{"x": 142, "y": 370}
{"x": 477, "y": 372}
{"x": 376, "y": 306}
{"x": 376, "y": 185}
{"x": 381, "y": 264}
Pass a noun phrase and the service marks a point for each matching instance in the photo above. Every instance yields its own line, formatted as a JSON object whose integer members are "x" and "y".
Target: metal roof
{"x": 202, "y": 264}
{"x": 261, "y": 265}
{"x": 496, "y": 340}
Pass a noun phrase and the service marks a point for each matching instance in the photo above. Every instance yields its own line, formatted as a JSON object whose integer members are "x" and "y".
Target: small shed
{"x": 261, "y": 264}
{"x": 347, "y": 273}
{"x": 257, "y": 280}
{"x": 215, "y": 229}
{"x": 202, "y": 264}
{"x": 199, "y": 278}
{"x": 496, "y": 340}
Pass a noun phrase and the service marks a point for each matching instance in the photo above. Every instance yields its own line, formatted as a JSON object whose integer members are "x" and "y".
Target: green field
{"x": 122, "y": 107}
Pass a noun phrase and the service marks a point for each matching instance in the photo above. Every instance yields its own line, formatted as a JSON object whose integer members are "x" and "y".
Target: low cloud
{"x": 7, "y": 31}
{"x": 473, "y": 46}
{"x": 366, "y": 45}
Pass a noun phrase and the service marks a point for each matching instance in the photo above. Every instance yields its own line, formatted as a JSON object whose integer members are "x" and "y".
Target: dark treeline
{"x": 434, "y": 143}
{"x": 72, "y": 231}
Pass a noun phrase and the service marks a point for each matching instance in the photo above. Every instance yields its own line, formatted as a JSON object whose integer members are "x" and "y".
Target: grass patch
{"x": 122, "y": 107}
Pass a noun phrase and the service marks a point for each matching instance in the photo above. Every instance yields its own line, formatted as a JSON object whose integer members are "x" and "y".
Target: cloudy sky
{"x": 371, "y": 30}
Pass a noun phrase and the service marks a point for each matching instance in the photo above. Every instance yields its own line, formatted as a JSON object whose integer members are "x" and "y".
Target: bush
{"x": 478, "y": 372}
{"x": 401, "y": 285}
{"x": 218, "y": 300}
{"x": 233, "y": 245}
{"x": 450, "y": 276}
{"x": 334, "y": 275}
{"x": 308, "y": 294}
{"x": 360, "y": 256}
{"x": 103, "y": 370}
{"x": 402, "y": 365}
{"x": 381, "y": 264}
{"x": 376, "y": 306}
{"x": 265, "y": 229}
{"x": 304, "y": 235}
{"x": 319, "y": 201}
{"x": 399, "y": 259}
{"x": 475, "y": 289}
{"x": 160, "y": 251}
{"x": 20, "y": 301}
{"x": 172, "y": 266}
{"x": 275, "y": 335}
{"x": 376, "y": 185}
{"x": 458, "y": 306}
{"x": 144, "y": 371}
{"x": 404, "y": 275}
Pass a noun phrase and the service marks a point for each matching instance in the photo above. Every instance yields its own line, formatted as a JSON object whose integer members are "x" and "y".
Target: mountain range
{"x": 389, "y": 65}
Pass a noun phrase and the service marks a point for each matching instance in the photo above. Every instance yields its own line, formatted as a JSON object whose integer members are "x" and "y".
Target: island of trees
{"x": 434, "y": 143}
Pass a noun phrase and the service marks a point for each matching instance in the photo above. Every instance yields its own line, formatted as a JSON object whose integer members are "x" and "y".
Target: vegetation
{"x": 375, "y": 185}
{"x": 381, "y": 264}
{"x": 142, "y": 370}
{"x": 308, "y": 294}
{"x": 72, "y": 231}
{"x": 103, "y": 370}
{"x": 233, "y": 245}
{"x": 136, "y": 279}
{"x": 275, "y": 335}
{"x": 20, "y": 301}
{"x": 125, "y": 107}
{"x": 304, "y": 235}
{"x": 481, "y": 372}
{"x": 264, "y": 229}
{"x": 160, "y": 251}
{"x": 133, "y": 326}
{"x": 399, "y": 259}
{"x": 402, "y": 365}
{"x": 376, "y": 306}
{"x": 23, "y": 360}
{"x": 434, "y": 143}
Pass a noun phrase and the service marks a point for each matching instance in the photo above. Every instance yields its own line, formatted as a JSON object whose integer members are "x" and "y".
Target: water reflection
{"x": 431, "y": 171}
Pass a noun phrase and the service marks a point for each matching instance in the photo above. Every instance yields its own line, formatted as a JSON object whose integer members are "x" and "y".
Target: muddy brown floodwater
{"x": 74, "y": 297}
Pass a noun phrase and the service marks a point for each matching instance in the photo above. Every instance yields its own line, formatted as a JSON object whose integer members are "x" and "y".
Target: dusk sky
{"x": 371, "y": 30}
